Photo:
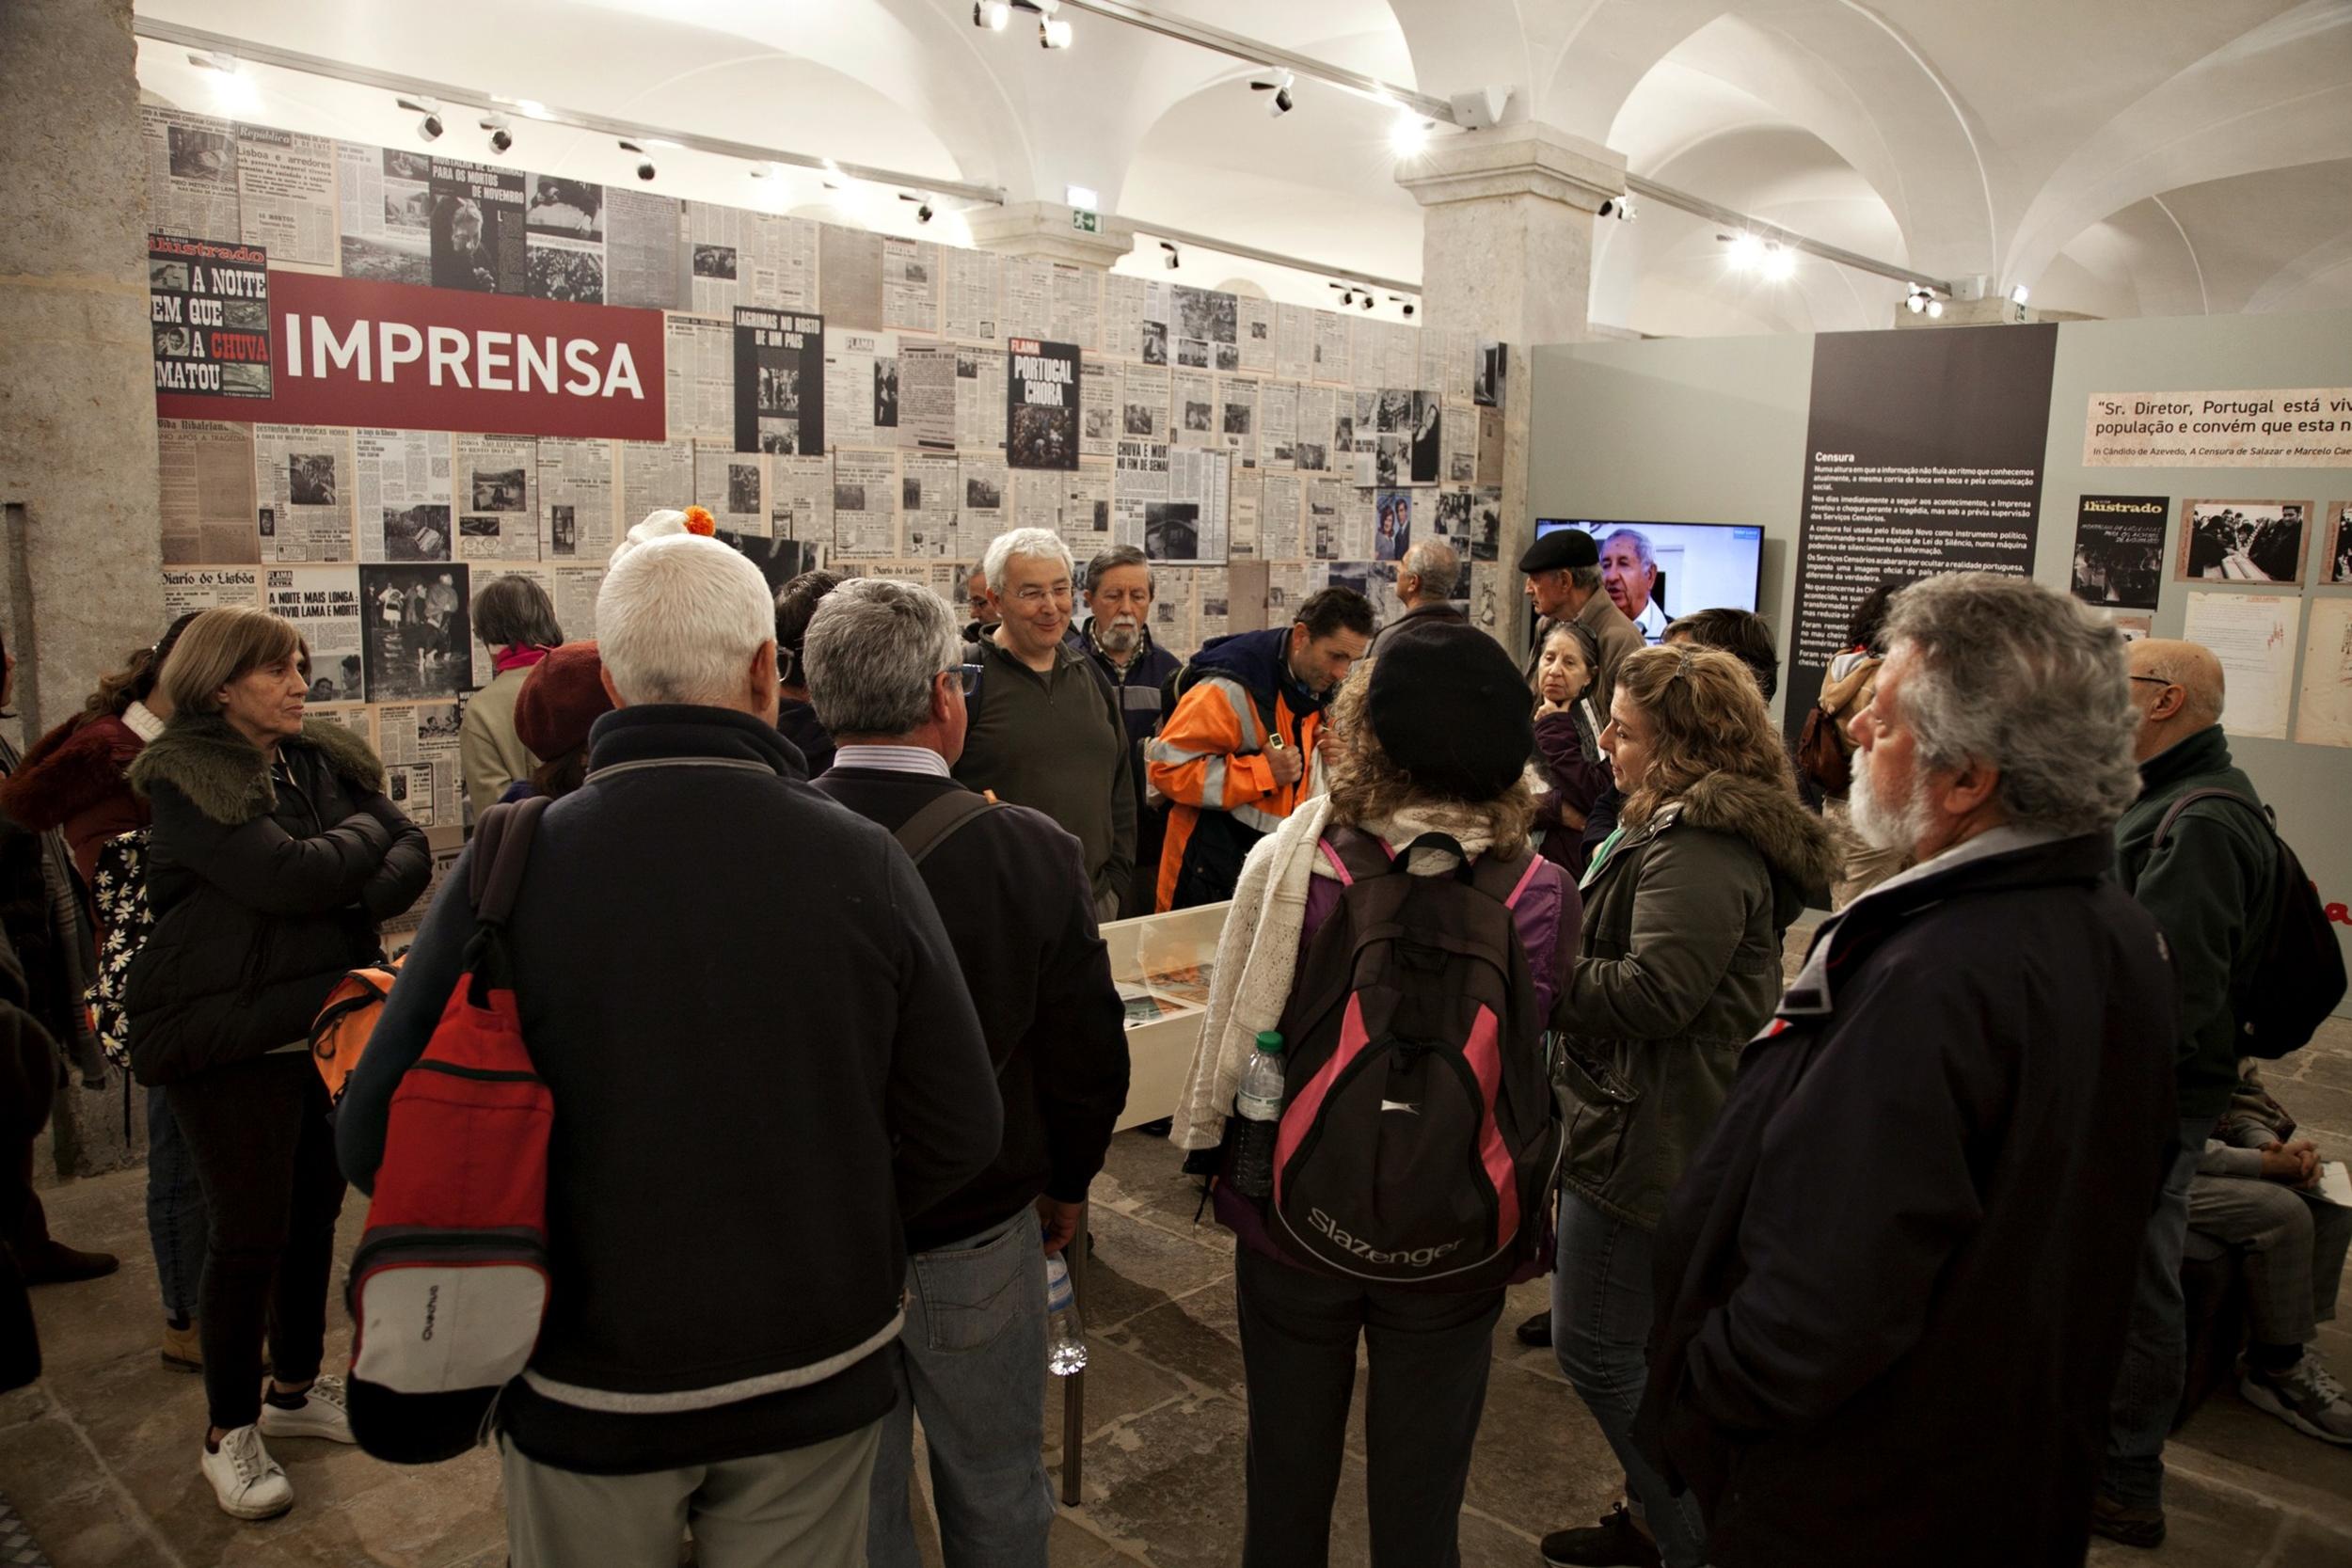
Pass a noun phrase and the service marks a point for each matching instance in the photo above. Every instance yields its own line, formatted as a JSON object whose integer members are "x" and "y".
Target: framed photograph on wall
{"x": 2242, "y": 540}
{"x": 2335, "y": 562}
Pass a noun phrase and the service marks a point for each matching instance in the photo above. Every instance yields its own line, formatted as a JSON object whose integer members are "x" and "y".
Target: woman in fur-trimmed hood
{"x": 275, "y": 857}
{"x": 1679, "y": 966}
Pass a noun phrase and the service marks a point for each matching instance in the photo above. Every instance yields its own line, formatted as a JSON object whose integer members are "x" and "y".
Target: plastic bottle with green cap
{"x": 1259, "y": 1105}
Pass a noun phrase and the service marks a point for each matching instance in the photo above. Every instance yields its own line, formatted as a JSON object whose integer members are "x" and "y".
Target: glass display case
{"x": 1161, "y": 964}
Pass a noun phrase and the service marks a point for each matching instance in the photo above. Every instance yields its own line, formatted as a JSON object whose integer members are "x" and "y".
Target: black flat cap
{"x": 1565, "y": 547}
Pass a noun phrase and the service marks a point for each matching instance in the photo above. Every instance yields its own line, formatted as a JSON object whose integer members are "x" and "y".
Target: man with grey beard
{"x": 1117, "y": 637}
{"x": 1897, "y": 1275}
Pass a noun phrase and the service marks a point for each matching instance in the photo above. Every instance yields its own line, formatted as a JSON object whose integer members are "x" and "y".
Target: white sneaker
{"x": 2305, "y": 1396}
{"x": 246, "y": 1479}
{"x": 320, "y": 1415}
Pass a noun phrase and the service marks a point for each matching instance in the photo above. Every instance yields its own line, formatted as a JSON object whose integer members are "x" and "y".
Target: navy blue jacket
{"x": 762, "y": 1059}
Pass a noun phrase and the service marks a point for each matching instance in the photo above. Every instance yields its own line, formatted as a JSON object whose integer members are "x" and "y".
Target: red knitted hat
{"x": 561, "y": 698}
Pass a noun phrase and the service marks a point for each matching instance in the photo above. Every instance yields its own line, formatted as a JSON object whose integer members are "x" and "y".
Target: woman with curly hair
{"x": 1432, "y": 736}
{"x": 1678, "y": 965}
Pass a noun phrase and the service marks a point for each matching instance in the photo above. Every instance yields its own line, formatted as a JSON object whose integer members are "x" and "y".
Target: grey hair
{"x": 1038, "y": 544}
{"x": 873, "y": 649}
{"x": 1107, "y": 561}
{"x": 2026, "y": 680}
{"x": 1435, "y": 564}
{"x": 678, "y": 619}
{"x": 1641, "y": 544}
{"x": 1587, "y": 579}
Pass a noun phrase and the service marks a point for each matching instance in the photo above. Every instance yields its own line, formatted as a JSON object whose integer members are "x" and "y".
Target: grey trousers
{"x": 2293, "y": 1249}
{"x": 803, "y": 1508}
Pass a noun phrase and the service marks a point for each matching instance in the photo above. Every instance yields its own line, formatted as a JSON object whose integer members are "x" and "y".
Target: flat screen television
{"x": 1655, "y": 572}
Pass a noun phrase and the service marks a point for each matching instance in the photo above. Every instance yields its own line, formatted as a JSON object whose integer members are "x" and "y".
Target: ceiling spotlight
{"x": 1935, "y": 308}
{"x": 922, "y": 207}
{"x": 500, "y": 137}
{"x": 1618, "y": 207}
{"x": 1779, "y": 264}
{"x": 644, "y": 165}
{"x": 1410, "y": 135}
{"x": 1404, "y": 304}
{"x": 2017, "y": 296}
{"x": 1280, "y": 85}
{"x": 1747, "y": 251}
{"x": 1170, "y": 260}
{"x": 233, "y": 91}
{"x": 429, "y": 127}
{"x": 992, "y": 14}
{"x": 1054, "y": 32}
{"x": 1917, "y": 300}
{"x": 1366, "y": 302}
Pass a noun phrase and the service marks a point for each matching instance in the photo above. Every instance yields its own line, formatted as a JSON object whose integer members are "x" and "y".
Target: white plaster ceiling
{"x": 2119, "y": 156}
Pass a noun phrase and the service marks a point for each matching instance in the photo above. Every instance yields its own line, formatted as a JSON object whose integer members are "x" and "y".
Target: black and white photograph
{"x": 311, "y": 479}
{"x": 779, "y": 438}
{"x": 401, "y": 164}
{"x": 1343, "y": 433}
{"x": 1486, "y": 525}
{"x": 2336, "y": 566}
{"x": 742, "y": 489}
{"x": 982, "y": 495}
{"x": 1311, "y": 456}
{"x": 1199, "y": 416}
{"x": 1393, "y": 460}
{"x": 1193, "y": 353}
{"x": 2119, "y": 550}
{"x": 418, "y": 639}
{"x": 337, "y": 680}
{"x": 779, "y": 560}
{"x": 498, "y": 490}
{"x": 1043, "y": 439}
{"x": 1139, "y": 418}
{"x": 199, "y": 154}
{"x": 562, "y": 530}
{"x": 885, "y": 394}
{"x": 418, "y": 532}
{"x": 568, "y": 276}
{"x": 2233, "y": 541}
{"x": 849, "y": 497}
{"x": 714, "y": 261}
{"x": 1228, "y": 356}
{"x": 1490, "y": 380}
{"x": 1451, "y": 519}
{"x": 1042, "y": 397}
{"x": 1155, "y": 342}
{"x": 1424, "y": 437}
{"x": 571, "y": 208}
{"x": 909, "y": 494}
{"x": 166, "y": 278}
{"x": 1209, "y": 314}
{"x": 477, "y": 229}
{"x": 1172, "y": 531}
{"x": 780, "y": 381}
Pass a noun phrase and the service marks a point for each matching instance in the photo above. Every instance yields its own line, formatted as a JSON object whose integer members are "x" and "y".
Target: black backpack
{"x": 2298, "y": 975}
{"x": 1419, "y": 1137}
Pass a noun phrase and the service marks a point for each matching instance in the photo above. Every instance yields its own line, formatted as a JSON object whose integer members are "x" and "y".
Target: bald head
{"x": 2177, "y": 687}
{"x": 1428, "y": 573}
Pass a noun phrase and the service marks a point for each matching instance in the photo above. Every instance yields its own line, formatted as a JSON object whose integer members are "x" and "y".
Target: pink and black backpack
{"x": 1420, "y": 1137}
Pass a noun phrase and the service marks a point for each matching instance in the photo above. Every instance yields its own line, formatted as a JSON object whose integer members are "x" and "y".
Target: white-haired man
{"x": 1045, "y": 727}
{"x": 884, "y": 670}
{"x": 1424, "y": 584}
{"x": 1628, "y": 570}
{"x": 763, "y": 1061}
{"x": 1901, "y": 1263}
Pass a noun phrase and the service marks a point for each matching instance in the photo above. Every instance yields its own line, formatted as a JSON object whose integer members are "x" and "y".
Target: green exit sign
{"x": 1086, "y": 222}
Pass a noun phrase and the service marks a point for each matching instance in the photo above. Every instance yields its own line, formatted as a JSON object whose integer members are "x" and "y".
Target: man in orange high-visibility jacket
{"x": 1237, "y": 752}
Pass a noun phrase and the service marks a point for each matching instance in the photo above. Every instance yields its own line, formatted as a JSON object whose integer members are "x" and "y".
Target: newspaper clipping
{"x": 779, "y": 383}
{"x": 654, "y": 475}
{"x": 1189, "y": 527}
{"x": 699, "y": 367}
{"x": 861, "y": 389}
{"x": 191, "y": 173}
{"x": 208, "y": 308}
{"x": 929, "y": 501}
{"x": 986, "y": 480}
{"x": 641, "y": 249}
{"x": 979, "y": 401}
{"x": 757, "y": 259}
{"x": 927, "y": 396}
{"x": 403, "y": 494}
{"x": 1277, "y": 425}
{"x": 910, "y": 285}
{"x": 1256, "y": 325}
{"x": 497, "y": 496}
{"x": 476, "y": 228}
{"x": 323, "y": 602}
{"x": 564, "y": 224}
{"x": 286, "y": 197}
{"x": 384, "y": 197}
{"x": 1024, "y": 294}
{"x": 800, "y": 501}
{"x": 576, "y": 497}
{"x": 417, "y": 638}
{"x": 865, "y": 505}
{"x": 1077, "y": 316}
{"x": 1099, "y": 407}
{"x": 1194, "y": 409}
{"x": 850, "y": 277}
{"x": 1041, "y": 392}
{"x": 204, "y": 472}
{"x": 188, "y": 590}
{"x": 1143, "y": 394}
{"x": 734, "y": 486}
{"x": 419, "y": 745}
{"x": 304, "y": 512}
{"x": 1278, "y": 518}
{"x": 1238, "y": 420}
{"x": 969, "y": 311}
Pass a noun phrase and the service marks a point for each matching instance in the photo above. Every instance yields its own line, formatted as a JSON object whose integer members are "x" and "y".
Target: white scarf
{"x": 1257, "y": 953}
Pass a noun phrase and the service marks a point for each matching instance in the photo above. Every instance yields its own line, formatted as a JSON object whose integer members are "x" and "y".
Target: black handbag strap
{"x": 2172, "y": 813}
{"x": 939, "y": 821}
{"x": 501, "y": 846}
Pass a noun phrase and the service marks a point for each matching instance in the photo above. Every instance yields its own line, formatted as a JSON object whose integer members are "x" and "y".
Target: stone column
{"x": 1506, "y": 252}
{"x": 77, "y": 397}
{"x": 1048, "y": 231}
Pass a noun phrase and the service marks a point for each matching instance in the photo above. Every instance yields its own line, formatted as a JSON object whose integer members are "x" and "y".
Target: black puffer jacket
{"x": 264, "y": 895}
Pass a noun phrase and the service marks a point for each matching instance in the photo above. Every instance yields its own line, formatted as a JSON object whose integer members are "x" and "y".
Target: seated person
{"x": 2256, "y": 1189}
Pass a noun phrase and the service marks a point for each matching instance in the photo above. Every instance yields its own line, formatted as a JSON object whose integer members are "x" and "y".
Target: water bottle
{"x": 1065, "y": 1337}
{"x": 1259, "y": 1106}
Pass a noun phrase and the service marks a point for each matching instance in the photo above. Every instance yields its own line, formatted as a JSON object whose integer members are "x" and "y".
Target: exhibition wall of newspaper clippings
{"x": 867, "y": 403}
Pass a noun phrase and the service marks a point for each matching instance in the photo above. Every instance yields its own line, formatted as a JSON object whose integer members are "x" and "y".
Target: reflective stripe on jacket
{"x": 1210, "y": 756}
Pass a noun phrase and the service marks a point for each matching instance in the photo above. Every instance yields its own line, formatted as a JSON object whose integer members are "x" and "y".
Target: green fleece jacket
{"x": 2213, "y": 889}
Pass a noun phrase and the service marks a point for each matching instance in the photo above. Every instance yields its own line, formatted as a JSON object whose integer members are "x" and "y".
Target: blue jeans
{"x": 971, "y": 1365}
{"x": 176, "y": 1219}
{"x": 1602, "y": 1303}
{"x": 2155, "y": 1344}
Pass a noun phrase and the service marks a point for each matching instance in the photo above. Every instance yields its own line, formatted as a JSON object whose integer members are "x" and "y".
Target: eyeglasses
{"x": 969, "y": 673}
{"x": 2155, "y": 680}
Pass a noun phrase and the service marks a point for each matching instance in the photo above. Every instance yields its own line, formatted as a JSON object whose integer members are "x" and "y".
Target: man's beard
{"x": 1893, "y": 827}
{"x": 1117, "y": 637}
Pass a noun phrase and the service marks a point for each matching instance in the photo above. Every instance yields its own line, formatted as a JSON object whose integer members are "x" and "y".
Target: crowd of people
{"x": 1824, "y": 1257}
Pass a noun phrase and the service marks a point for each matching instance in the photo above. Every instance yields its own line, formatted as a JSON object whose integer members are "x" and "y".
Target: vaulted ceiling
{"x": 2120, "y": 157}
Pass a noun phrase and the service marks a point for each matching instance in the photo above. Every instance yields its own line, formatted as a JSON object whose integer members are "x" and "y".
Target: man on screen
{"x": 1628, "y": 569}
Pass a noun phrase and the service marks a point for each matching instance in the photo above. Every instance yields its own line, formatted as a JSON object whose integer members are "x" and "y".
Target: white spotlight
{"x": 992, "y": 14}
{"x": 1935, "y": 308}
{"x": 1279, "y": 85}
{"x": 234, "y": 92}
{"x": 1054, "y": 33}
{"x": 501, "y": 138}
{"x": 1747, "y": 252}
{"x": 1914, "y": 302}
{"x": 1779, "y": 264}
{"x": 2017, "y": 296}
{"x": 1410, "y": 135}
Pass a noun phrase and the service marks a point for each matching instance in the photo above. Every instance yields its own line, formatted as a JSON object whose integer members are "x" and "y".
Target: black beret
{"x": 1449, "y": 708}
{"x": 1562, "y": 547}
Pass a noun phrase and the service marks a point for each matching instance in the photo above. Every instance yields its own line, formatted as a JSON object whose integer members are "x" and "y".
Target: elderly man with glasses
{"x": 882, "y": 668}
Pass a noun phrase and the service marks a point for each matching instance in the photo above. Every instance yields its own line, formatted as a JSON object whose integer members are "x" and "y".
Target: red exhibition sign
{"x": 396, "y": 355}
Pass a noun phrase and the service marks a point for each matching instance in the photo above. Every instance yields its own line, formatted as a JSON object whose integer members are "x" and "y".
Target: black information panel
{"x": 1923, "y": 455}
